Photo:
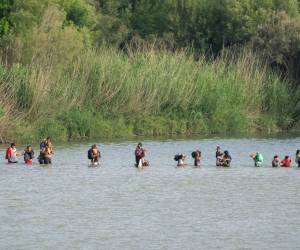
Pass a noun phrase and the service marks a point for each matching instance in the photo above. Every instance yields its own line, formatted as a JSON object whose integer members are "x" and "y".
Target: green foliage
{"x": 279, "y": 40}
{"x": 113, "y": 68}
{"x": 50, "y": 127}
{"x": 80, "y": 13}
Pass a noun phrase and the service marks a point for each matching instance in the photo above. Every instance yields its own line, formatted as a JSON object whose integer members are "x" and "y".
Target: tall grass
{"x": 107, "y": 93}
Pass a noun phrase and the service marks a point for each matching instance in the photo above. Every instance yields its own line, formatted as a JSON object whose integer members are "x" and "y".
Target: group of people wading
{"x": 45, "y": 156}
{"x": 223, "y": 158}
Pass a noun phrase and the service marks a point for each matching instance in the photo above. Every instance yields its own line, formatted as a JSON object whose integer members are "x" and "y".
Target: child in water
{"x": 276, "y": 161}
{"x": 28, "y": 155}
{"x": 286, "y": 162}
{"x": 258, "y": 159}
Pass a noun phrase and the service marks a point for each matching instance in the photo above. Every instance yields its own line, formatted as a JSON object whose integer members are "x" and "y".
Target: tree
{"x": 279, "y": 41}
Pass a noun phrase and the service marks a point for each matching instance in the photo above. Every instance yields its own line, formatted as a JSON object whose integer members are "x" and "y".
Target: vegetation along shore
{"x": 79, "y": 69}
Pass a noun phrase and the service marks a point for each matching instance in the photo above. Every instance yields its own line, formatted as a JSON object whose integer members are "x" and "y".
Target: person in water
{"x": 12, "y": 154}
{"x": 143, "y": 162}
{"x": 28, "y": 155}
{"x": 139, "y": 155}
{"x": 219, "y": 156}
{"x": 226, "y": 160}
{"x": 276, "y": 161}
{"x": 46, "y": 152}
{"x": 257, "y": 158}
{"x": 197, "y": 157}
{"x": 286, "y": 162}
{"x": 297, "y": 159}
{"x": 94, "y": 154}
{"x": 180, "y": 160}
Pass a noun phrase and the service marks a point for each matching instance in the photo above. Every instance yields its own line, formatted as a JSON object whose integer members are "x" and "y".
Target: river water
{"x": 72, "y": 206}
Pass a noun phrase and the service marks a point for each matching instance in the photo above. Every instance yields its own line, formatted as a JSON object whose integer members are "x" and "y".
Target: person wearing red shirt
{"x": 286, "y": 162}
{"x": 11, "y": 154}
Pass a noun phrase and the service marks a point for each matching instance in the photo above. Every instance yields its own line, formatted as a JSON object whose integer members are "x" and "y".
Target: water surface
{"x": 72, "y": 206}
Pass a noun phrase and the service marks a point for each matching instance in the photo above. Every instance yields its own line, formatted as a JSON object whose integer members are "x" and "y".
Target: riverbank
{"x": 109, "y": 94}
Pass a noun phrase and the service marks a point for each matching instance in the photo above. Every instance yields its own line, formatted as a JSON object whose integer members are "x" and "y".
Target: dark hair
{"x": 29, "y": 146}
{"x": 275, "y": 156}
{"x": 94, "y": 146}
{"x": 48, "y": 138}
{"x": 298, "y": 151}
{"x": 140, "y": 144}
{"x": 13, "y": 144}
{"x": 226, "y": 152}
{"x": 286, "y": 157}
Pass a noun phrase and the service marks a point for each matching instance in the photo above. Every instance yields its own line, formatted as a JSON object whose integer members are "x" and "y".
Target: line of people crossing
{"x": 223, "y": 158}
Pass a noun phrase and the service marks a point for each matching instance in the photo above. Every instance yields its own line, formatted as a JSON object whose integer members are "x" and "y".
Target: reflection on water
{"x": 71, "y": 206}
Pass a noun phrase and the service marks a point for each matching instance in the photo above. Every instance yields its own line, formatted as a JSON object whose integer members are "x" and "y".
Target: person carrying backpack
{"x": 94, "y": 154}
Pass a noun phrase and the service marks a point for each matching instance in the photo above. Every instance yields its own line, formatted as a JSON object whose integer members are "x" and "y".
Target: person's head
{"x": 94, "y": 146}
{"x": 286, "y": 157}
{"x": 298, "y": 152}
{"x": 218, "y": 148}
{"x": 13, "y": 145}
{"x": 140, "y": 145}
{"x": 28, "y": 148}
{"x": 276, "y": 156}
{"x": 48, "y": 139}
{"x": 226, "y": 153}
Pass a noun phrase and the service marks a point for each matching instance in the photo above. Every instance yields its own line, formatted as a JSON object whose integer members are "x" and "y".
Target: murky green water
{"x": 72, "y": 206}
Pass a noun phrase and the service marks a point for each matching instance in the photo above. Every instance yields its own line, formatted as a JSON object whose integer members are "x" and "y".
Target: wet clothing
{"x": 12, "y": 155}
{"x": 28, "y": 156}
{"x": 286, "y": 163}
{"x": 258, "y": 160}
{"x": 180, "y": 162}
{"x": 45, "y": 155}
{"x": 219, "y": 154}
{"x": 95, "y": 155}
{"x": 197, "y": 159}
{"x": 139, "y": 154}
{"x": 275, "y": 163}
{"x": 197, "y": 162}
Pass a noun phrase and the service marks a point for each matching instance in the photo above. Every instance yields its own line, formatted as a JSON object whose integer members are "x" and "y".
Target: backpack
{"x": 176, "y": 157}
{"x": 193, "y": 154}
{"x": 90, "y": 155}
